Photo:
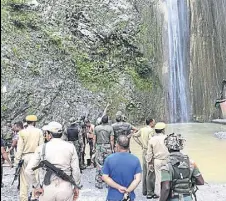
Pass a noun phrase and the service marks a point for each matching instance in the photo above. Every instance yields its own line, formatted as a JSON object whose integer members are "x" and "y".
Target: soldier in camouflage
{"x": 180, "y": 175}
{"x": 103, "y": 146}
{"x": 81, "y": 122}
{"x": 74, "y": 135}
{"x": 7, "y": 136}
{"x": 121, "y": 127}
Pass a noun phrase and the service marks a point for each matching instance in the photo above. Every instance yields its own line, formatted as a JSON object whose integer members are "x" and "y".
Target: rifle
{"x": 50, "y": 168}
{"x": 17, "y": 172}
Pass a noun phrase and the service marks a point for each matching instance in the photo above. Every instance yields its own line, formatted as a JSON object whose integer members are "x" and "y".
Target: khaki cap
{"x": 160, "y": 126}
{"x": 31, "y": 118}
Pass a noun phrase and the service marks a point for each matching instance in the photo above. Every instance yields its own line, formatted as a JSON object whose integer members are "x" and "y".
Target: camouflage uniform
{"x": 83, "y": 132}
{"x": 7, "y": 136}
{"x": 182, "y": 186}
{"x": 103, "y": 134}
{"x": 121, "y": 128}
{"x": 74, "y": 135}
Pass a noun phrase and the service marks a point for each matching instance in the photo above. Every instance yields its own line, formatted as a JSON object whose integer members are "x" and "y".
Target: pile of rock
{"x": 220, "y": 135}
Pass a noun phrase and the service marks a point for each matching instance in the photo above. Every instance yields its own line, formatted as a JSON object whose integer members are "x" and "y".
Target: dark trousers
{"x": 1, "y": 173}
{"x": 82, "y": 159}
{"x": 148, "y": 182}
{"x": 90, "y": 141}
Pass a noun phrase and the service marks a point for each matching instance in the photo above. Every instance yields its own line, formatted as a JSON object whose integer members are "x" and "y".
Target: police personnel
{"x": 157, "y": 154}
{"x": 62, "y": 155}
{"x": 104, "y": 146}
{"x": 180, "y": 175}
{"x": 29, "y": 139}
{"x": 142, "y": 137}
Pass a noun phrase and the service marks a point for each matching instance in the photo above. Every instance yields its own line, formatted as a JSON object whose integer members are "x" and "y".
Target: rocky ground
{"x": 209, "y": 192}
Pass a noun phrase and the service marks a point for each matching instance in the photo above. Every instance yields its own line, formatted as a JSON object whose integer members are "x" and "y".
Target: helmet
{"x": 174, "y": 142}
{"x": 160, "y": 126}
{"x": 31, "y": 118}
{"x": 118, "y": 114}
{"x": 54, "y": 127}
{"x": 72, "y": 120}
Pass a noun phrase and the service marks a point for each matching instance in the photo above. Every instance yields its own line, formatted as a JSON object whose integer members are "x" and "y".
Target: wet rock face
{"x": 207, "y": 56}
{"x": 66, "y": 58}
{"x": 69, "y": 58}
{"x": 220, "y": 135}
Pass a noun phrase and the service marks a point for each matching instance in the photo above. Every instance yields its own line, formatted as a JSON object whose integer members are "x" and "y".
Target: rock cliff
{"x": 67, "y": 58}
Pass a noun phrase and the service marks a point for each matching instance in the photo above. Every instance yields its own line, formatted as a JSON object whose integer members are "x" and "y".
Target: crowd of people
{"x": 53, "y": 158}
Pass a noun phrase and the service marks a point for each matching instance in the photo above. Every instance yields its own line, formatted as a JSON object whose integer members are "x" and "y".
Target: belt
{"x": 28, "y": 153}
{"x": 177, "y": 196}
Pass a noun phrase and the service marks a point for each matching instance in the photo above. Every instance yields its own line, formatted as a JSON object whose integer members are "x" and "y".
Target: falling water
{"x": 178, "y": 37}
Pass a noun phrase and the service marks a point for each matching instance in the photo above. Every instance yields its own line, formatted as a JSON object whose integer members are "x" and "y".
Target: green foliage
{"x": 94, "y": 74}
{"x": 13, "y": 1}
{"x": 4, "y": 108}
{"x": 144, "y": 84}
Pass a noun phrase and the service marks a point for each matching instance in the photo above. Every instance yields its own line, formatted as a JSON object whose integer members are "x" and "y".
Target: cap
{"x": 160, "y": 126}
{"x": 54, "y": 127}
{"x": 31, "y": 118}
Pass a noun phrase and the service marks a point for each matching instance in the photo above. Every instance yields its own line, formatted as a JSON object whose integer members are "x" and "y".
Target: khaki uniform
{"x": 157, "y": 152}
{"x": 29, "y": 139}
{"x": 103, "y": 150}
{"x": 148, "y": 182}
{"x": 63, "y": 155}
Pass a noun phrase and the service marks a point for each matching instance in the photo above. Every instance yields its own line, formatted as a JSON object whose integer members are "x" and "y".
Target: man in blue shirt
{"x": 121, "y": 171}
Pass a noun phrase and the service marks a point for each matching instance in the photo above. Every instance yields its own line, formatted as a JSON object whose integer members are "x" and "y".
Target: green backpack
{"x": 182, "y": 181}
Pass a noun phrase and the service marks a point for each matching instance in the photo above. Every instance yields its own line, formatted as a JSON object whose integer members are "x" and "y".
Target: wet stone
{"x": 220, "y": 135}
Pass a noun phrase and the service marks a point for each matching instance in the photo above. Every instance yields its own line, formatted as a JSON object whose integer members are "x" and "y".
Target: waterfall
{"x": 178, "y": 38}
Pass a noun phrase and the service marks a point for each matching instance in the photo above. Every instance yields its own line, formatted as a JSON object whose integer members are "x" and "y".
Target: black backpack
{"x": 73, "y": 132}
